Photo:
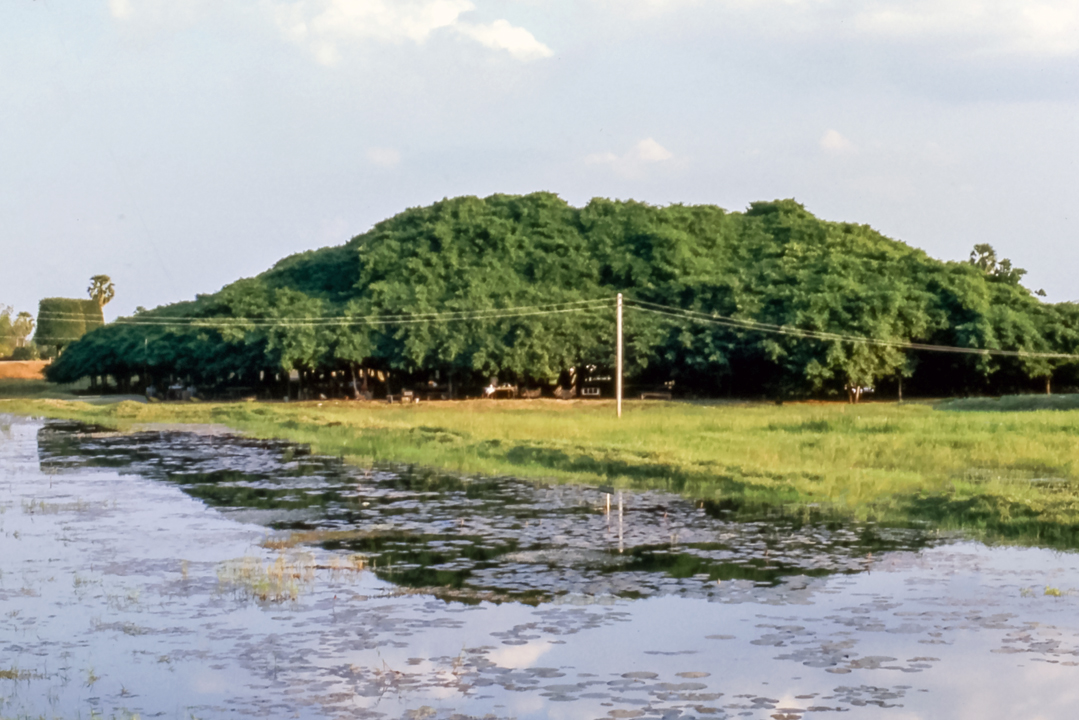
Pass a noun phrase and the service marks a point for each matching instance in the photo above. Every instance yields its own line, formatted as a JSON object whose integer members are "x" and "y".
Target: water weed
{"x": 283, "y": 580}
{"x": 14, "y": 673}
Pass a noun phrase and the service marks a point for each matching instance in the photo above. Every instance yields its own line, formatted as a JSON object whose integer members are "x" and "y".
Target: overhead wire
{"x": 572, "y": 306}
{"x": 773, "y": 329}
{"x": 347, "y": 321}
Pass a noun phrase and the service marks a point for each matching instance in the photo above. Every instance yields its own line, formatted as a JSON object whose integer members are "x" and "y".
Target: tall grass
{"x": 1005, "y": 475}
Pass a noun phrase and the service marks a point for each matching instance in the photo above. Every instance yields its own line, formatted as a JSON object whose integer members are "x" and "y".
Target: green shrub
{"x": 62, "y": 321}
{"x": 26, "y": 352}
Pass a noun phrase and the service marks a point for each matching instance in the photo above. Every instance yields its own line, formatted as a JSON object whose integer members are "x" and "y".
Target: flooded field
{"x": 179, "y": 575}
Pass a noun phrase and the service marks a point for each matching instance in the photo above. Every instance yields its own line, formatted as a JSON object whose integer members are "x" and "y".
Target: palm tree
{"x": 101, "y": 289}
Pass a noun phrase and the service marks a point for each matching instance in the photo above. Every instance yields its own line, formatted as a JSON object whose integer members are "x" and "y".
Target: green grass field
{"x": 11, "y": 388}
{"x": 1008, "y": 476}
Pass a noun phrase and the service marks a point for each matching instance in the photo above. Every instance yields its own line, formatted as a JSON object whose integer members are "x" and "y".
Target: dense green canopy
{"x": 62, "y": 321}
{"x": 363, "y": 304}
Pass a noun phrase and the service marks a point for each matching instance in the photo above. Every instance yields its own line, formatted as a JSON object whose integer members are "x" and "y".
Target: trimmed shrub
{"x": 62, "y": 321}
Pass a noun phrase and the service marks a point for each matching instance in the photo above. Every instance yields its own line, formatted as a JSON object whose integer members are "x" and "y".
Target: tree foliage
{"x": 62, "y": 321}
{"x": 7, "y": 331}
{"x": 774, "y": 263}
{"x": 15, "y": 329}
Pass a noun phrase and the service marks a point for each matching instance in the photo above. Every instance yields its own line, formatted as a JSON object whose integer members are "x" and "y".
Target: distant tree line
{"x": 774, "y": 263}
{"x": 15, "y": 331}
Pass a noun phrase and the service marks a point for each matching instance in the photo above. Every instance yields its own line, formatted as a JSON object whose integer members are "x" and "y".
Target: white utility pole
{"x": 618, "y": 356}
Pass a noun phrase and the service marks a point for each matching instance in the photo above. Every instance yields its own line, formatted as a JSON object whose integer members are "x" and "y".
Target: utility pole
{"x": 618, "y": 356}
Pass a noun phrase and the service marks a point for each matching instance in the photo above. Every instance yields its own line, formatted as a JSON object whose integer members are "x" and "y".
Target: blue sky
{"x": 177, "y": 145}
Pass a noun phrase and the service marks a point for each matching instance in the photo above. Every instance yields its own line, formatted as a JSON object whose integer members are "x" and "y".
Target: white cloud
{"x": 1031, "y": 27}
{"x": 974, "y": 27}
{"x": 120, "y": 9}
{"x": 326, "y": 25}
{"x": 645, "y": 9}
{"x": 154, "y": 16}
{"x": 500, "y": 35}
{"x": 384, "y": 157}
{"x": 386, "y": 20}
{"x": 648, "y": 150}
{"x": 633, "y": 162}
{"x": 834, "y": 142}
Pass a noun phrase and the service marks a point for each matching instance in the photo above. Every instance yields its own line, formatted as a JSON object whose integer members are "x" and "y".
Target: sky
{"x": 178, "y": 145}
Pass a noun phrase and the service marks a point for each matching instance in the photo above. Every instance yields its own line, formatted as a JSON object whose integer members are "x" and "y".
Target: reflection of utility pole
{"x": 618, "y": 358}
{"x": 608, "y": 514}
{"x": 620, "y": 546}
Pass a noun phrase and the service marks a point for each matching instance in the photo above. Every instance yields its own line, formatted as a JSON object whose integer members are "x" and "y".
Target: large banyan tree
{"x": 424, "y": 294}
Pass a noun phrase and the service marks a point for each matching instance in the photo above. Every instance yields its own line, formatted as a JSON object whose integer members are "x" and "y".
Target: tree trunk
{"x": 900, "y": 388}
{"x": 1048, "y": 385}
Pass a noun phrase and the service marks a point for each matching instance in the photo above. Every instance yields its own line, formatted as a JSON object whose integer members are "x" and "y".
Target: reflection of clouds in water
{"x": 907, "y": 640}
{"x": 446, "y": 691}
{"x": 1050, "y": 691}
{"x": 519, "y": 656}
{"x": 210, "y": 682}
{"x": 529, "y": 704}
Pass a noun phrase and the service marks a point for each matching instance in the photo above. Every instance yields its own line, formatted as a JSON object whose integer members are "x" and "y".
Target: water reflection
{"x": 176, "y": 575}
{"x": 495, "y": 537}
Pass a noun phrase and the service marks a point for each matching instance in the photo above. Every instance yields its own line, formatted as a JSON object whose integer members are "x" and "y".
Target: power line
{"x": 573, "y": 306}
{"x": 184, "y": 318}
{"x": 347, "y": 321}
{"x": 350, "y": 322}
{"x": 769, "y": 328}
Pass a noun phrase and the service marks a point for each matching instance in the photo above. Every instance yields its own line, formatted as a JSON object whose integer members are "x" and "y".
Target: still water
{"x": 179, "y": 575}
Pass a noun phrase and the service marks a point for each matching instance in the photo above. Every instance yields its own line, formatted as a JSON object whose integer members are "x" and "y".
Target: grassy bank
{"x": 30, "y": 387}
{"x": 1008, "y": 476}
